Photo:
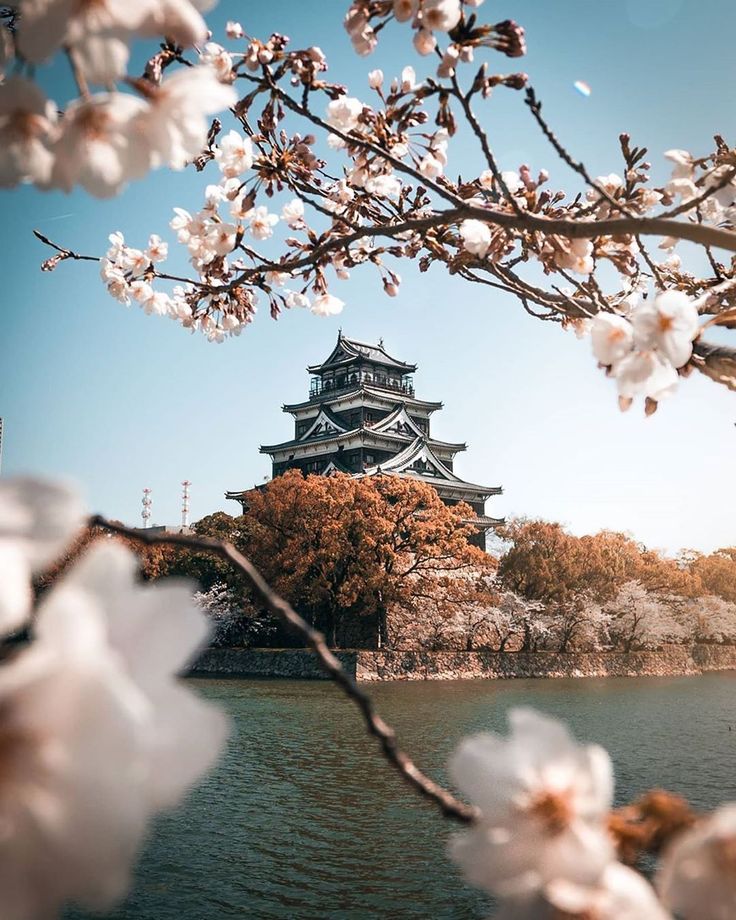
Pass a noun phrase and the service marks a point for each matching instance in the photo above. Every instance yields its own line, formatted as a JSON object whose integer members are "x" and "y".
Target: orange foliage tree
{"x": 347, "y": 551}
{"x": 566, "y": 573}
{"x": 717, "y": 572}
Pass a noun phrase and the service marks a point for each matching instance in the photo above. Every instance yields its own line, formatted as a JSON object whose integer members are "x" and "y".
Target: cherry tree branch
{"x": 573, "y": 229}
{"x": 535, "y": 107}
{"x": 450, "y": 806}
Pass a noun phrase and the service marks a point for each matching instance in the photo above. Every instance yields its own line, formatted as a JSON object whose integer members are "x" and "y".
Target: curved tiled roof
{"x": 347, "y": 351}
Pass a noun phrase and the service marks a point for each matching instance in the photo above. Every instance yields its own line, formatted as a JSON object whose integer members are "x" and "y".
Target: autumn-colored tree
{"x": 571, "y": 575}
{"x": 717, "y": 572}
{"x": 206, "y": 569}
{"x": 155, "y": 561}
{"x": 348, "y": 550}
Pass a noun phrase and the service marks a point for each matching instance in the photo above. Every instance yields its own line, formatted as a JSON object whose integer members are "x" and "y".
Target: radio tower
{"x": 147, "y": 501}
{"x": 185, "y": 504}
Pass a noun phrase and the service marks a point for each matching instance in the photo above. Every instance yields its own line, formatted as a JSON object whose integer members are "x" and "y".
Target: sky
{"x": 100, "y": 394}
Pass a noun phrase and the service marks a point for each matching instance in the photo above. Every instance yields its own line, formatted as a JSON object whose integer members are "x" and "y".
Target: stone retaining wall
{"x": 388, "y": 665}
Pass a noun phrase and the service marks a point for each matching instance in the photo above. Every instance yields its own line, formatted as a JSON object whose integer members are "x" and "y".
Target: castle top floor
{"x": 352, "y": 363}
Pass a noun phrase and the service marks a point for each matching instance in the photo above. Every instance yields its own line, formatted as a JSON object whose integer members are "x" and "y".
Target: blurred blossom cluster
{"x": 543, "y": 846}
{"x": 97, "y": 735}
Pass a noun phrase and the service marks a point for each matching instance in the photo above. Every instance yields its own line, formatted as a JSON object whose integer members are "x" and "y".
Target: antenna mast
{"x": 146, "y": 501}
{"x": 185, "y": 503}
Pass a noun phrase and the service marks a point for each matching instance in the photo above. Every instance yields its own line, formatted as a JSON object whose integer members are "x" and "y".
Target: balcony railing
{"x": 320, "y": 387}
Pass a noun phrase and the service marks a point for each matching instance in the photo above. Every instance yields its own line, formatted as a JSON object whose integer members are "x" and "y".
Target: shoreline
{"x": 370, "y": 666}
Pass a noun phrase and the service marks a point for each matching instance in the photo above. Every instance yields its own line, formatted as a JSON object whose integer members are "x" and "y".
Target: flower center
{"x": 615, "y": 335}
{"x": 553, "y": 810}
{"x": 665, "y": 323}
{"x": 28, "y": 124}
{"x": 93, "y": 123}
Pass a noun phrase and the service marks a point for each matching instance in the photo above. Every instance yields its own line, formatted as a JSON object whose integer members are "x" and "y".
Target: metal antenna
{"x": 147, "y": 501}
{"x": 185, "y": 503}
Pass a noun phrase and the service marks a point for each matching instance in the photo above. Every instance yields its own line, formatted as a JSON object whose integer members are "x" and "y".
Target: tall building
{"x": 362, "y": 417}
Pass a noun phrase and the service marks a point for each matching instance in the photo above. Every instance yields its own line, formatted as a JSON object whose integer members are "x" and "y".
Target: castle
{"x": 363, "y": 418}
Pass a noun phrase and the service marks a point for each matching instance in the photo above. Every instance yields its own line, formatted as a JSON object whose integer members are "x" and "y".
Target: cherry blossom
{"x": 575, "y": 255}
{"x": 46, "y": 25}
{"x": 424, "y": 41}
{"x": 97, "y": 148}
{"x": 175, "y": 123}
{"x": 37, "y": 520}
{"x": 610, "y": 184}
{"x": 404, "y": 9}
{"x": 234, "y": 154}
{"x": 442, "y": 15}
{"x": 644, "y": 373}
{"x": 180, "y": 20}
{"x": 476, "y": 237}
{"x": 697, "y": 878}
{"x": 669, "y": 323}
{"x": 543, "y": 801}
{"x": 100, "y": 734}
{"x": 620, "y": 894}
{"x": 293, "y": 213}
{"x": 27, "y": 129}
{"x": 297, "y": 299}
{"x": 234, "y": 29}
{"x": 375, "y": 79}
{"x": 215, "y": 56}
{"x": 262, "y": 223}
{"x": 343, "y": 113}
{"x": 115, "y": 281}
{"x": 612, "y": 337}
{"x": 408, "y": 79}
{"x": 326, "y": 305}
{"x": 157, "y": 249}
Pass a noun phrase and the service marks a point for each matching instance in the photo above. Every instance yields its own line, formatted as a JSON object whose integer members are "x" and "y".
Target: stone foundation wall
{"x": 377, "y": 665}
{"x": 268, "y": 662}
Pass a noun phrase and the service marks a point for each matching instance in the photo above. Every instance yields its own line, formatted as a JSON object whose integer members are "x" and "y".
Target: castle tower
{"x": 362, "y": 417}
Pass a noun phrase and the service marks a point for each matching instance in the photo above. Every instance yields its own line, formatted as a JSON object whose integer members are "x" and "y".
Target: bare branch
{"x": 717, "y": 362}
{"x": 286, "y": 615}
{"x": 535, "y": 107}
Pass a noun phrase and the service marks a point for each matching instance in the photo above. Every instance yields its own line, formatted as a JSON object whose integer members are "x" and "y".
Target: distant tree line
{"x": 382, "y": 562}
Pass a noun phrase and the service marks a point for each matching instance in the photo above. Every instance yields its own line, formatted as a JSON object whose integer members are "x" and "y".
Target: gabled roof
{"x": 334, "y": 466}
{"x": 366, "y": 436}
{"x": 330, "y": 423}
{"x": 399, "y": 422}
{"x": 418, "y": 461}
{"x": 349, "y": 351}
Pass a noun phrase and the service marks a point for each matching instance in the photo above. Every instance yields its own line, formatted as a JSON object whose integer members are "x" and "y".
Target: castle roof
{"x": 365, "y": 433}
{"x": 419, "y": 461}
{"x": 351, "y": 351}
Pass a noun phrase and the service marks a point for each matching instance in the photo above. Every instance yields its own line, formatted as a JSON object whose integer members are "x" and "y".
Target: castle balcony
{"x": 320, "y": 387}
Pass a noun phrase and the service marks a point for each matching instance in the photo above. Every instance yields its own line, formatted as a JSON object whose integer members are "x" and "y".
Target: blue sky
{"x": 115, "y": 400}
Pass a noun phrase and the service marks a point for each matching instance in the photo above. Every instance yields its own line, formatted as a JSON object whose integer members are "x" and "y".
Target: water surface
{"x": 303, "y": 819}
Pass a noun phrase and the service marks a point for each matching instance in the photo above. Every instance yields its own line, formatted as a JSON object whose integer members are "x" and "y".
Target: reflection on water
{"x": 302, "y": 819}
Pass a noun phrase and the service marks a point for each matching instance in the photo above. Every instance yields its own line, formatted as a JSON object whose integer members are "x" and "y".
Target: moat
{"x": 302, "y": 819}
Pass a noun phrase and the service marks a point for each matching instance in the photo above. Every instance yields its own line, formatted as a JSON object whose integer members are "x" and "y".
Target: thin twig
{"x": 450, "y": 806}
{"x": 485, "y": 145}
{"x": 535, "y": 107}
